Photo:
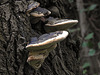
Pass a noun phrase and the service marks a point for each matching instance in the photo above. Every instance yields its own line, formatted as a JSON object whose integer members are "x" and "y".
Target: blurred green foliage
{"x": 85, "y": 65}
{"x": 89, "y": 36}
{"x": 88, "y": 43}
{"x": 89, "y": 8}
{"x": 74, "y": 30}
{"x": 99, "y": 45}
{"x": 84, "y": 71}
{"x": 91, "y": 52}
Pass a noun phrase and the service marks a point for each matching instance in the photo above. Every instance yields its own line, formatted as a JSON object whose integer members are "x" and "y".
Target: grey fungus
{"x": 47, "y": 40}
{"x": 36, "y": 13}
{"x": 43, "y": 52}
{"x": 35, "y": 61}
{"x": 33, "y": 57}
{"x": 55, "y": 24}
{"x": 33, "y": 6}
{"x": 36, "y": 58}
{"x": 40, "y": 47}
{"x": 40, "y": 12}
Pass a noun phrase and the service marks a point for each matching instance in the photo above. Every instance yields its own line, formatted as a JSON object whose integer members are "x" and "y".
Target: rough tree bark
{"x": 16, "y": 31}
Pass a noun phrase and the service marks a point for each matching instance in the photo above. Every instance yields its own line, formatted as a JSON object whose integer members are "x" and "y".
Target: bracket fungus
{"x": 32, "y": 6}
{"x": 55, "y": 24}
{"x": 42, "y": 52}
{"x": 36, "y": 58}
{"x": 40, "y": 12}
{"x": 47, "y": 40}
{"x": 35, "y": 61}
{"x": 40, "y": 47}
{"x": 36, "y": 13}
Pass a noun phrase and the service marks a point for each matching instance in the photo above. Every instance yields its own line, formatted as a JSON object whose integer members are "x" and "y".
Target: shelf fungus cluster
{"x": 40, "y": 47}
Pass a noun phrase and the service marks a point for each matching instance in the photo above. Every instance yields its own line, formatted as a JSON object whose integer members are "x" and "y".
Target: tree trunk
{"x": 15, "y": 32}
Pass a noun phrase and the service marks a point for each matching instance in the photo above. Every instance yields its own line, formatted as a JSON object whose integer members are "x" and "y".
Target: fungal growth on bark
{"x": 56, "y": 24}
{"x": 40, "y": 47}
{"x": 36, "y": 13}
{"x": 40, "y": 12}
{"x": 55, "y": 28}
{"x": 32, "y": 6}
{"x": 46, "y": 40}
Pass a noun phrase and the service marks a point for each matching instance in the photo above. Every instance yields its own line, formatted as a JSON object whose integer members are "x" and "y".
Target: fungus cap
{"x": 33, "y": 57}
{"x": 40, "y": 12}
{"x": 33, "y": 6}
{"x": 36, "y": 58}
{"x": 43, "y": 53}
{"x": 47, "y": 40}
{"x": 35, "y": 62}
{"x": 59, "y": 24}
